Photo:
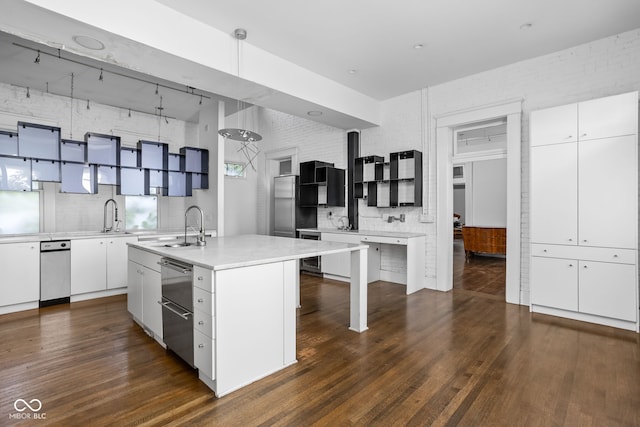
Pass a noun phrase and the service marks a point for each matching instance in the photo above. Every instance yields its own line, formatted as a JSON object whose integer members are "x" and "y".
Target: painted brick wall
{"x": 81, "y": 212}
{"x": 604, "y": 67}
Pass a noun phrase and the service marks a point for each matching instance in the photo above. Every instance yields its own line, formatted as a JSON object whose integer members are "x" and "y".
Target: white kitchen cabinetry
{"x": 20, "y": 284}
{"x": 99, "y": 264}
{"x": 145, "y": 290}
{"x": 584, "y": 210}
{"x": 88, "y": 266}
{"x": 204, "y": 322}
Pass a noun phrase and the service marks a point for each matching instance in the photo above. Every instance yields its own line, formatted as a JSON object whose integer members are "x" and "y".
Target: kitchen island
{"x": 244, "y": 294}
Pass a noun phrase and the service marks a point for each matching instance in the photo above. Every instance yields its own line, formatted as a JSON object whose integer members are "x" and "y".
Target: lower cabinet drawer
{"x": 203, "y": 322}
{"x": 203, "y": 301}
{"x": 203, "y": 354}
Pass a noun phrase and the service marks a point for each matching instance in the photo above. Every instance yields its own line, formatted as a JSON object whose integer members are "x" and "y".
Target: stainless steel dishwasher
{"x": 177, "y": 308}
{"x": 55, "y": 272}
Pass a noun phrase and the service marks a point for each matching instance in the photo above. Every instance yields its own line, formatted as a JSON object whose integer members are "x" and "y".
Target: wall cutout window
{"x": 19, "y": 212}
{"x": 141, "y": 212}
{"x": 235, "y": 169}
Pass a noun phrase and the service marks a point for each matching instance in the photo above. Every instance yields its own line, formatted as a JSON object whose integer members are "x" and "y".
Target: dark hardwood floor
{"x": 478, "y": 273}
{"x": 432, "y": 358}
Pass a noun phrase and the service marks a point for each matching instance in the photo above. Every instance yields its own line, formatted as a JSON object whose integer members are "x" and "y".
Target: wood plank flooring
{"x": 484, "y": 274}
{"x": 446, "y": 359}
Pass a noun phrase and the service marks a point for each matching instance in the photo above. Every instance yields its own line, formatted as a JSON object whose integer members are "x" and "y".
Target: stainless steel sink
{"x": 178, "y": 245}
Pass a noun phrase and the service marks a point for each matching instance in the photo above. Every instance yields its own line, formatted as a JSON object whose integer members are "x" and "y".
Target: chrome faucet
{"x": 114, "y": 218}
{"x": 200, "y": 241}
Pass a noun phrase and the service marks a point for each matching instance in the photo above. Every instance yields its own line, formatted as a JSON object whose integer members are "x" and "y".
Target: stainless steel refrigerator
{"x": 288, "y": 215}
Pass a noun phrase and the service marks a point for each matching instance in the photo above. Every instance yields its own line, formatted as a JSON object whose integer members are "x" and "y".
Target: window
{"x": 235, "y": 169}
{"x": 141, "y": 212}
{"x": 285, "y": 167}
{"x": 19, "y": 212}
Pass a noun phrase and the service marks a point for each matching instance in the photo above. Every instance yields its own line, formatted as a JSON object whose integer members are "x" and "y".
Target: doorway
{"x": 480, "y": 207}
{"x": 278, "y": 162}
{"x": 446, "y": 126}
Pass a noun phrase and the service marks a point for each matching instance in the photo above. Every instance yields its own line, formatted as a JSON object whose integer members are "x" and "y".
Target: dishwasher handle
{"x": 174, "y": 266}
{"x": 168, "y": 305}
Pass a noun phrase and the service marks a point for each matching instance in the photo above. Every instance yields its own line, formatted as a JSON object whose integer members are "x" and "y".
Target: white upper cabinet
{"x": 554, "y": 193}
{"x": 608, "y": 192}
{"x": 554, "y": 125}
{"x": 610, "y": 116}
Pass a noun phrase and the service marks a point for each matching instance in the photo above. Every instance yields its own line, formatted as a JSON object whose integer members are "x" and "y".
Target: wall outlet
{"x": 427, "y": 218}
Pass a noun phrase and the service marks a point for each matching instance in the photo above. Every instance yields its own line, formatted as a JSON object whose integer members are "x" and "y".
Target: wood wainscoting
{"x": 431, "y": 358}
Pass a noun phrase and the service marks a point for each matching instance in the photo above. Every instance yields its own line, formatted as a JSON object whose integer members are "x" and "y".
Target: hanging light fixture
{"x": 239, "y": 134}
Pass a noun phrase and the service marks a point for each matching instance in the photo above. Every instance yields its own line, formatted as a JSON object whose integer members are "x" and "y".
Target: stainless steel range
{"x": 177, "y": 307}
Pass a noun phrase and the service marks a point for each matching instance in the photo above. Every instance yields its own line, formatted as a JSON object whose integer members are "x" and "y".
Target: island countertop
{"x": 221, "y": 253}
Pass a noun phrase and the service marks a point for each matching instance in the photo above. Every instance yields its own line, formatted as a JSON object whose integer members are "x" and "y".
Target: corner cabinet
{"x": 584, "y": 210}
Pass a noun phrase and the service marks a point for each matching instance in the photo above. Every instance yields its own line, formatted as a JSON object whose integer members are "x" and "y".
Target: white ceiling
{"x": 328, "y": 38}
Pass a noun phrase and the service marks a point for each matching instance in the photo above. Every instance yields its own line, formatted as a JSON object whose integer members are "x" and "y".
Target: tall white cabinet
{"x": 584, "y": 211}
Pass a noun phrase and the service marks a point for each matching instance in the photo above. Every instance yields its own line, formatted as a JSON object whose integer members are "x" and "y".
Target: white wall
{"x": 489, "y": 194}
{"x": 604, "y": 67}
{"x": 84, "y": 212}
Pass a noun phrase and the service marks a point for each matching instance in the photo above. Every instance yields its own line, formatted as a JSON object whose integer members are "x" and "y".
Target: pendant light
{"x": 239, "y": 134}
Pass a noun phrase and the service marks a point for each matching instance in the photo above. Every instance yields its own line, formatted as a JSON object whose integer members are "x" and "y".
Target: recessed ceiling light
{"x": 314, "y": 113}
{"x": 352, "y": 71}
{"x": 88, "y": 42}
{"x": 526, "y": 26}
{"x": 418, "y": 46}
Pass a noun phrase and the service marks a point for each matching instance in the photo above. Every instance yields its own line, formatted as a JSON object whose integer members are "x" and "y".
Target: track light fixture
{"x": 129, "y": 112}
{"x": 88, "y": 106}
{"x": 156, "y": 88}
{"x": 101, "y": 77}
{"x": 200, "y": 103}
{"x": 28, "y": 93}
{"x": 37, "y": 60}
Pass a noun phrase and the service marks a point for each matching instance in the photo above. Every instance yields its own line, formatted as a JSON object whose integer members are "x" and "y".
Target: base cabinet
{"x": 20, "y": 266}
{"x": 144, "y": 290}
{"x": 555, "y": 282}
{"x": 608, "y": 289}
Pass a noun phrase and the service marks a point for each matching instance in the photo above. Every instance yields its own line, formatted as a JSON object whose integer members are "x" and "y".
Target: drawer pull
{"x": 200, "y": 278}
{"x": 615, "y": 255}
{"x": 201, "y": 323}
{"x": 200, "y": 300}
{"x": 571, "y": 240}
{"x": 584, "y": 266}
{"x": 570, "y": 265}
{"x": 544, "y": 250}
{"x": 200, "y": 345}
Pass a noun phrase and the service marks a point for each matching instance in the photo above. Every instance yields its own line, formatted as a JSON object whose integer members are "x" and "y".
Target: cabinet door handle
{"x": 200, "y": 278}
{"x": 583, "y": 135}
{"x": 615, "y": 255}
{"x": 201, "y": 323}
{"x": 585, "y": 240}
{"x": 571, "y": 240}
{"x": 569, "y": 137}
{"x": 200, "y": 345}
{"x": 584, "y": 266}
{"x": 544, "y": 250}
{"x": 570, "y": 265}
{"x": 200, "y": 300}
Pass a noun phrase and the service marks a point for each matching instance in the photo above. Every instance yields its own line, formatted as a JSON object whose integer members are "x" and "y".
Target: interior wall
{"x": 459, "y": 198}
{"x": 84, "y": 212}
{"x": 489, "y": 194}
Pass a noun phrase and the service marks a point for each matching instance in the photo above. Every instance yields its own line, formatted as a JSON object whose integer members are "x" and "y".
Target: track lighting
{"x": 156, "y": 88}
{"x": 200, "y": 103}
{"x": 28, "y": 93}
{"x": 101, "y": 77}
{"x": 166, "y": 120}
{"x": 37, "y": 60}
{"x": 88, "y": 106}
{"x": 129, "y": 112}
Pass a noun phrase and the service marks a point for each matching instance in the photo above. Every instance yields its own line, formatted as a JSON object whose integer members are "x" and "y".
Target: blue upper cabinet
{"x": 103, "y": 149}
{"x": 153, "y": 155}
{"x": 73, "y": 151}
{"x": 38, "y": 141}
{"x": 8, "y": 143}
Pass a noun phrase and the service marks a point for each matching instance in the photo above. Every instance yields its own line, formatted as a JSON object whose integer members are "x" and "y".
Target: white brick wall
{"x": 82, "y": 212}
{"x": 604, "y": 67}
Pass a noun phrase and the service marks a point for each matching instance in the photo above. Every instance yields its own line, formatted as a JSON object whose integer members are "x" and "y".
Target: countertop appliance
{"x": 311, "y": 264}
{"x": 177, "y": 307}
{"x": 55, "y": 272}
{"x": 288, "y": 215}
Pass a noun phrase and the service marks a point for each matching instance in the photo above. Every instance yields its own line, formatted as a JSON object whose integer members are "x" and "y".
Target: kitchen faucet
{"x": 200, "y": 241}
{"x": 114, "y": 218}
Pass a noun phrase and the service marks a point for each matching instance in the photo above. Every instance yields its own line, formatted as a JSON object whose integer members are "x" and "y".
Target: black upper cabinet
{"x": 321, "y": 184}
{"x": 103, "y": 149}
{"x": 406, "y": 178}
{"x": 153, "y": 155}
{"x": 38, "y": 141}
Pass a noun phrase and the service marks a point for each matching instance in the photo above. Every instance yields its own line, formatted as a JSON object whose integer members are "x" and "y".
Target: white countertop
{"x": 397, "y": 234}
{"x": 222, "y": 253}
{"x": 69, "y": 235}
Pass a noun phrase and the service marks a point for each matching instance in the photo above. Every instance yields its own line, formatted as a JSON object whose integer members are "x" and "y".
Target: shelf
{"x": 78, "y": 178}
{"x": 194, "y": 160}
{"x": 15, "y": 173}
{"x": 133, "y": 182}
{"x": 8, "y": 143}
{"x": 73, "y": 151}
{"x": 153, "y": 155}
{"x": 129, "y": 157}
{"x": 45, "y": 170}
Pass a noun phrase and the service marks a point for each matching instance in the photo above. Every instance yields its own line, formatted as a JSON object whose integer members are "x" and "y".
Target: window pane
{"x": 19, "y": 212}
{"x": 141, "y": 212}
{"x": 233, "y": 169}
